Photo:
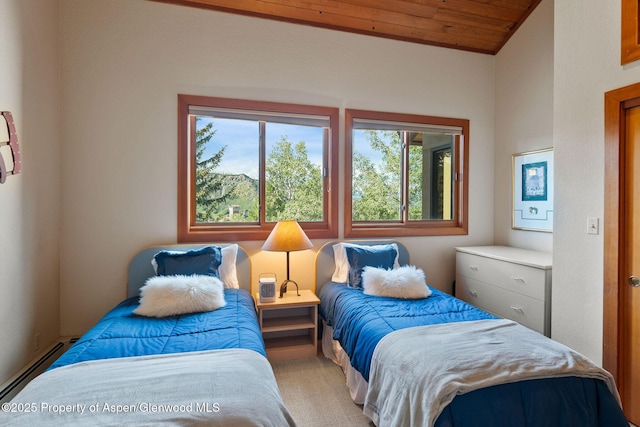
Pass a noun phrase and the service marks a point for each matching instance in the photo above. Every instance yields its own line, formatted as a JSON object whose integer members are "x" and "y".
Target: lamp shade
{"x": 287, "y": 236}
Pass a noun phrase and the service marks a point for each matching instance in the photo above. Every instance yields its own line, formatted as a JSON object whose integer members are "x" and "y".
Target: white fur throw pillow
{"x": 406, "y": 282}
{"x": 163, "y": 296}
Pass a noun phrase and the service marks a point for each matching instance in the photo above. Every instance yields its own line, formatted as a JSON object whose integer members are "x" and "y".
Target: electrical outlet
{"x": 36, "y": 342}
{"x": 593, "y": 225}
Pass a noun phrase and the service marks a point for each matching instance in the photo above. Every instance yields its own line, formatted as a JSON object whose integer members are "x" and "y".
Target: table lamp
{"x": 287, "y": 236}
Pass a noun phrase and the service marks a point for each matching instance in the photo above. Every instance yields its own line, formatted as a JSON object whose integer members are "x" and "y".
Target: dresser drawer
{"x": 525, "y": 310}
{"x": 513, "y": 277}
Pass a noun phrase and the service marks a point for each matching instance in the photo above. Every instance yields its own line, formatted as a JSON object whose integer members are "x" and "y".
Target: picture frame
{"x": 532, "y": 180}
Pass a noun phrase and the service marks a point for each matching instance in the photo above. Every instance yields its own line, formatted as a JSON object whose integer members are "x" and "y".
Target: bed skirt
{"x": 333, "y": 351}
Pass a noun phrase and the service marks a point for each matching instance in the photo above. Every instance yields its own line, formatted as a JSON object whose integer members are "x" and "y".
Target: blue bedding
{"x": 359, "y": 321}
{"x": 120, "y": 333}
{"x": 566, "y": 402}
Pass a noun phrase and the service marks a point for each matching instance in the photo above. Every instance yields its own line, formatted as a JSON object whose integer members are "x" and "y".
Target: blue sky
{"x": 241, "y": 139}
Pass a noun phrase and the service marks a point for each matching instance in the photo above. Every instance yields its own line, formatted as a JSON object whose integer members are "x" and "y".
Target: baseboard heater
{"x": 17, "y": 383}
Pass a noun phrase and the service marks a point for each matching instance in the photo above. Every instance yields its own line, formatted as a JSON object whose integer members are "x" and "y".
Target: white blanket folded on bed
{"x": 233, "y": 387}
{"x": 416, "y": 372}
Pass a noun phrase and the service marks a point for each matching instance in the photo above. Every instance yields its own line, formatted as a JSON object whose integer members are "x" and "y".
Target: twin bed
{"x": 410, "y": 359}
{"x": 437, "y": 360}
{"x": 198, "y": 368}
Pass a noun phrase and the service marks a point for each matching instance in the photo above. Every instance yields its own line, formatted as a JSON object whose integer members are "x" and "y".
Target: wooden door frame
{"x": 615, "y": 103}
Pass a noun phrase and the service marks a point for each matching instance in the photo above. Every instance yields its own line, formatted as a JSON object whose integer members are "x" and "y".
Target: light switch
{"x": 593, "y": 225}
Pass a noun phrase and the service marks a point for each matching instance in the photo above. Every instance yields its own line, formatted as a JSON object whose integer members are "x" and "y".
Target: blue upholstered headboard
{"x": 140, "y": 268}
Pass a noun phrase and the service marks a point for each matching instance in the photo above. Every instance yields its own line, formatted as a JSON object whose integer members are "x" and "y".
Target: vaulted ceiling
{"x": 474, "y": 25}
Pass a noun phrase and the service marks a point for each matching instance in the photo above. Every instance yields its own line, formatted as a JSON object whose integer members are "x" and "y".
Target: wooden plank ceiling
{"x": 474, "y": 25}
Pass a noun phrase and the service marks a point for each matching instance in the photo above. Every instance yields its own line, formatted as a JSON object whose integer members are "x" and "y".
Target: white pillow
{"x": 163, "y": 296}
{"x": 406, "y": 282}
{"x": 341, "y": 272}
{"x": 227, "y": 270}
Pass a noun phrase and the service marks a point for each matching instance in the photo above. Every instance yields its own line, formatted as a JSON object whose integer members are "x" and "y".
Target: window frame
{"x": 402, "y": 228}
{"x": 190, "y": 231}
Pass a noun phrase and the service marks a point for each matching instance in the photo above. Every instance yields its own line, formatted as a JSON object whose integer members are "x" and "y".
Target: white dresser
{"x": 508, "y": 282}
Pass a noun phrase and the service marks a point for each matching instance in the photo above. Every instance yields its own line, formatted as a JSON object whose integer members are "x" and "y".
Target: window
{"x": 244, "y": 165}
{"x": 406, "y": 175}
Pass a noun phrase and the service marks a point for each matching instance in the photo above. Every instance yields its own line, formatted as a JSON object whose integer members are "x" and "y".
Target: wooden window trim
{"x": 189, "y": 231}
{"x": 630, "y": 35}
{"x": 457, "y": 226}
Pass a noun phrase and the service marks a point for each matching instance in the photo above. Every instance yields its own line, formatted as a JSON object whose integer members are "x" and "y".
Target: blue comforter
{"x": 120, "y": 333}
{"x": 359, "y": 321}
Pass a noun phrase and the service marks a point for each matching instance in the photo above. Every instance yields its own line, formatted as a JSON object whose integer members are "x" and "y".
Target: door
{"x": 621, "y": 332}
{"x": 630, "y": 280}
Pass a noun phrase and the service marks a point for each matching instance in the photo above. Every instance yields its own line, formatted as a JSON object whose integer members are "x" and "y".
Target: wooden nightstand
{"x": 290, "y": 325}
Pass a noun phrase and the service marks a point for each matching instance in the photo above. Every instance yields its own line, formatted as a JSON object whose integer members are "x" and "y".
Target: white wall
{"x": 29, "y": 201}
{"x": 587, "y": 64}
{"x": 524, "y": 116}
{"x": 123, "y": 63}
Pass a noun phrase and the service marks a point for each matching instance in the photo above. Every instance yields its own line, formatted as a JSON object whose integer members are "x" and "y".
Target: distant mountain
{"x": 231, "y": 181}
{"x": 243, "y": 198}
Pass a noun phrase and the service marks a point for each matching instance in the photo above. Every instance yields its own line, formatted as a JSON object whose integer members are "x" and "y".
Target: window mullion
{"x": 326, "y": 177}
{"x": 458, "y": 183}
{"x": 404, "y": 178}
{"x": 262, "y": 202}
{"x": 192, "y": 169}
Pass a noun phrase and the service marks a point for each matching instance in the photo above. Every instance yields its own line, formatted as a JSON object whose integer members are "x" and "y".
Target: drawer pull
{"x": 474, "y": 294}
{"x": 518, "y": 279}
{"x": 517, "y": 309}
{"x": 473, "y": 268}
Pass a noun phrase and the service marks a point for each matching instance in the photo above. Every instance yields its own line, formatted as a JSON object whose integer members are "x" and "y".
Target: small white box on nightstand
{"x": 267, "y": 287}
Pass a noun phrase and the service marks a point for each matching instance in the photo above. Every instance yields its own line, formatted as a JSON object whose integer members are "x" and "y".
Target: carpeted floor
{"x": 315, "y": 393}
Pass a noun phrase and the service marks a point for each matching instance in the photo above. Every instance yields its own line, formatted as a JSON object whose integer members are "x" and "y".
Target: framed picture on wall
{"x": 532, "y": 174}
